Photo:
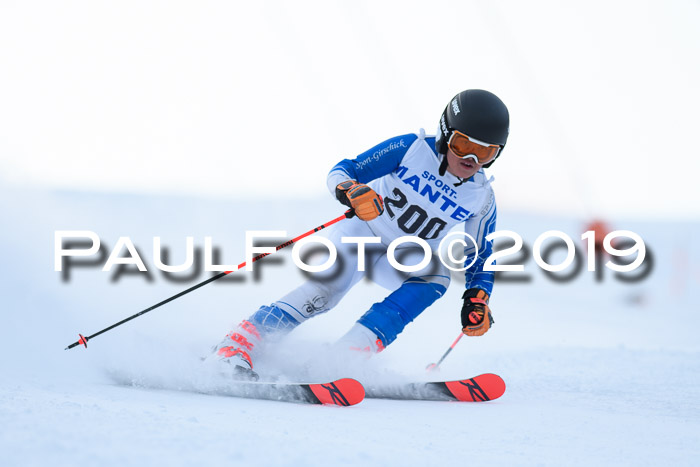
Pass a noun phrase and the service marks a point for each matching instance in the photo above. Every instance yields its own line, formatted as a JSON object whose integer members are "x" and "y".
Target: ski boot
{"x": 233, "y": 354}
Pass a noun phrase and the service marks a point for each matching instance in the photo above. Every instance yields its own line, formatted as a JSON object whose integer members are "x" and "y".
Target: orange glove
{"x": 476, "y": 314}
{"x": 366, "y": 203}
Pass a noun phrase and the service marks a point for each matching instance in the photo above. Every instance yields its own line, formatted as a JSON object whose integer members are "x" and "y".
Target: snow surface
{"x": 596, "y": 372}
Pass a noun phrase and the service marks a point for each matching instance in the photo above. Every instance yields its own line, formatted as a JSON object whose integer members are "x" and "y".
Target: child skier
{"x": 408, "y": 185}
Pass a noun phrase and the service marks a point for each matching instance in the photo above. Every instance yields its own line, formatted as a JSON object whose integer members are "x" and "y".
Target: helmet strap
{"x": 443, "y": 165}
{"x": 443, "y": 168}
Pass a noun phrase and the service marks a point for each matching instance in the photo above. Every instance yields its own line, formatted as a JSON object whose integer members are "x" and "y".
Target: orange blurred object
{"x": 601, "y": 229}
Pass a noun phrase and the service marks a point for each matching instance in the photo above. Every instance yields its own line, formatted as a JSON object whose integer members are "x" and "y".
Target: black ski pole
{"x": 84, "y": 339}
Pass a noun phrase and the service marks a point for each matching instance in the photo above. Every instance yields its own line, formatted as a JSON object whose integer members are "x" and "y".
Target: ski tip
{"x": 343, "y": 392}
{"x": 486, "y": 387}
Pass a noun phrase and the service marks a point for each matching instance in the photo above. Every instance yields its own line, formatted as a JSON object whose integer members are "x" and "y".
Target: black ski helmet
{"x": 476, "y": 113}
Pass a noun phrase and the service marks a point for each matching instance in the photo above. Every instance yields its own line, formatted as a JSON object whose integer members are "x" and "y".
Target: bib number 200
{"x": 413, "y": 218}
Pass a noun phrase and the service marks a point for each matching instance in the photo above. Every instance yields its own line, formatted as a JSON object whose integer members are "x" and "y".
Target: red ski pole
{"x": 434, "y": 366}
{"x": 84, "y": 339}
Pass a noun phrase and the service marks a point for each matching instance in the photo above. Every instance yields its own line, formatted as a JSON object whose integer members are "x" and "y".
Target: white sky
{"x": 261, "y": 98}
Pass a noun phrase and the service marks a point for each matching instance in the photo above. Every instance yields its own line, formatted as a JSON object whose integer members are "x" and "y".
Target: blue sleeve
{"x": 381, "y": 160}
{"x": 475, "y": 276}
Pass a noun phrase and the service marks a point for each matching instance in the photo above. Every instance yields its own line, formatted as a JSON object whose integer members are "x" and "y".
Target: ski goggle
{"x": 466, "y": 147}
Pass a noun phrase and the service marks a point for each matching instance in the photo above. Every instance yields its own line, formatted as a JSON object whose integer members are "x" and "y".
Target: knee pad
{"x": 272, "y": 320}
{"x": 388, "y": 318}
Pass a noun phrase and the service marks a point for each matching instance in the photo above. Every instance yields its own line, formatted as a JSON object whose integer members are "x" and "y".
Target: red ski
{"x": 343, "y": 392}
{"x": 482, "y": 388}
{"x": 486, "y": 387}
